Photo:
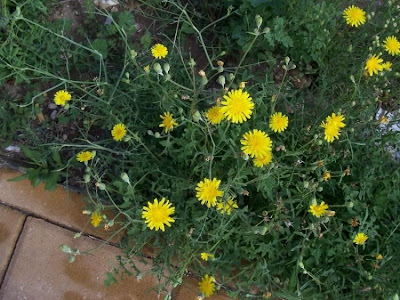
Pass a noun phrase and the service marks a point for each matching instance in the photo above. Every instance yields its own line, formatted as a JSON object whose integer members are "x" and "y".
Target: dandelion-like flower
{"x": 392, "y": 45}
{"x": 84, "y": 156}
{"x": 205, "y": 256}
{"x": 387, "y": 65}
{"x": 237, "y": 106}
{"x": 360, "y": 238}
{"x": 159, "y": 51}
{"x": 168, "y": 122}
{"x": 118, "y": 132}
{"x": 62, "y": 97}
{"x": 158, "y": 214}
{"x": 354, "y": 16}
{"x": 207, "y": 285}
{"x": 278, "y": 122}
{"x": 263, "y": 160}
{"x": 256, "y": 143}
{"x": 332, "y": 127}
{"x": 215, "y": 115}
{"x": 226, "y": 207}
{"x": 326, "y": 176}
{"x": 208, "y": 191}
{"x": 319, "y": 210}
{"x": 96, "y": 218}
{"x": 374, "y": 65}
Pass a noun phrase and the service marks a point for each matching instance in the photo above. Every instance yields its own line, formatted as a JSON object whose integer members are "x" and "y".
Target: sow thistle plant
{"x": 252, "y": 185}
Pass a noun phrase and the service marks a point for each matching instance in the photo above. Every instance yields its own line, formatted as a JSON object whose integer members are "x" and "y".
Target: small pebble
{"x": 52, "y": 105}
{"x": 53, "y": 115}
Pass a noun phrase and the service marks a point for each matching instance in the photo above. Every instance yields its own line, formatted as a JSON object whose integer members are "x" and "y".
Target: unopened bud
{"x": 157, "y": 68}
{"x": 221, "y": 80}
{"x": 125, "y": 177}
{"x": 259, "y": 21}
{"x": 166, "y": 67}
{"x": 101, "y": 186}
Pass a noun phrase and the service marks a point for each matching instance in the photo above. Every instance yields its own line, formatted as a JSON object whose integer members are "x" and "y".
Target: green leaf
{"x": 110, "y": 279}
{"x": 101, "y": 46}
{"x": 145, "y": 40}
{"x": 51, "y": 180}
{"x": 33, "y": 155}
{"x": 127, "y": 22}
{"x": 19, "y": 178}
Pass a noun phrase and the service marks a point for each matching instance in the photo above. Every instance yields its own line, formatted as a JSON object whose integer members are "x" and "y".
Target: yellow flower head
{"x": 374, "y": 65}
{"x": 383, "y": 120}
{"x": 215, "y": 115}
{"x": 360, "y": 238}
{"x": 354, "y": 16}
{"x": 146, "y": 69}
{"x": 84, "y": 156}
{"x": 387, "y": 65}
{"x": 326, "y": 176}
{"x": 263, "y": 160}
{"x": 157, "y": 214}
{"x": 118, "y": 132}
{"x": 159, "y": 51}
{"x": 226, "y": 207}
{"x": 62, "y": 97}
{"x": 205, "y": 256}
{"x": 319, "y": 210}
{"x": 237, "y": 106}
{"x": 256, "y": 143}
{"x": 332, "y": 127}
{"x": 278, "y": 122}
{"x": 168, "y": 122}
{"x": 96, "y": 218}
{"x": 207, "y": 285}
{"x": 207, "y": 191}
{"x": 379, "y": 256}
{"x": 392, "y": 45}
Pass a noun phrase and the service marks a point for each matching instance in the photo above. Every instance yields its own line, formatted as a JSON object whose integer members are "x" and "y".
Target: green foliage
{"x": 271, "y": 242}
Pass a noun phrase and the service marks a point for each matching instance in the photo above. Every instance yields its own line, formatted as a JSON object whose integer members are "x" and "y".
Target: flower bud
{"x": 125, "y": 177}
{"x": 157, "y": 68}
{"x": 101, "y": 186}
{"x": 196, "y": 116}
{"x": 221, "y": 80}
{"x": 86, "y": 178}
{"x": 259, "y": 21}
{"x": 166, "y": 67}
{"x": 157, "y": 135}
{"x": 133, "y": 54}
{"x": 350, "y": 204}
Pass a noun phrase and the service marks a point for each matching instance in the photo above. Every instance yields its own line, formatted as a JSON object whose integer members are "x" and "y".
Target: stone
{"x": 40, "y": 270}
{"x": 11, "y": 222}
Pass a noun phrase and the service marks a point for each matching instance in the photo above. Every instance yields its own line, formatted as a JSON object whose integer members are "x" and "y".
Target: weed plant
{"x": 305, "y": 208}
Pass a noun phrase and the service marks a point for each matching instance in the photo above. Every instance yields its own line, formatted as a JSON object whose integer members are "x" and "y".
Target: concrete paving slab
{"x": 40, "y": 271}
{"x": 11, "y": 222}
{"x": 59, "y": 206}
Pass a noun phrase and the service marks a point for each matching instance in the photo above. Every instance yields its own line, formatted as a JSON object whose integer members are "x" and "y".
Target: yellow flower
{"x": 62, "y": 97}
{"x": 354, "y": 16}
{"x": 332, "y": 127}
{"x": 383, "y": 120}
{"x": 392, "y": 45}
{"x": 360, "y": 238}
{"x": 387, "y": 65}
{"x": 159, "y": 51}
{"x": 263, "y": 160}
{"x": 256, "y": 143}
{"x": 226, "y": 207}
{"x": 168, "y": 122}
{"x": 278, "y": 122}
{"x": 319, "y": 210}
{"x": 96, "y": 218}
{"x": 237, "y": 106}
{"x": 378, "y": 257}
{"x": 374, "y": 65}
{"x": 118, "y": 132}
{"x": 157, "y": 214}
{"x": 207, "y": 191}
{"x": 84, "y": 156}
{"x": 215, "y": 115}
{"x": 326, "y": 176}
{"x": 207, "y": 285}
{"x": 146, "y": 69}
{"x": 205, "y": 256}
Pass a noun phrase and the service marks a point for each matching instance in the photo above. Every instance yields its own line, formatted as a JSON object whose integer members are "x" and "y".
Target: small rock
{"x": 53, "y": 115}
{"x": 52, "y": 105}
